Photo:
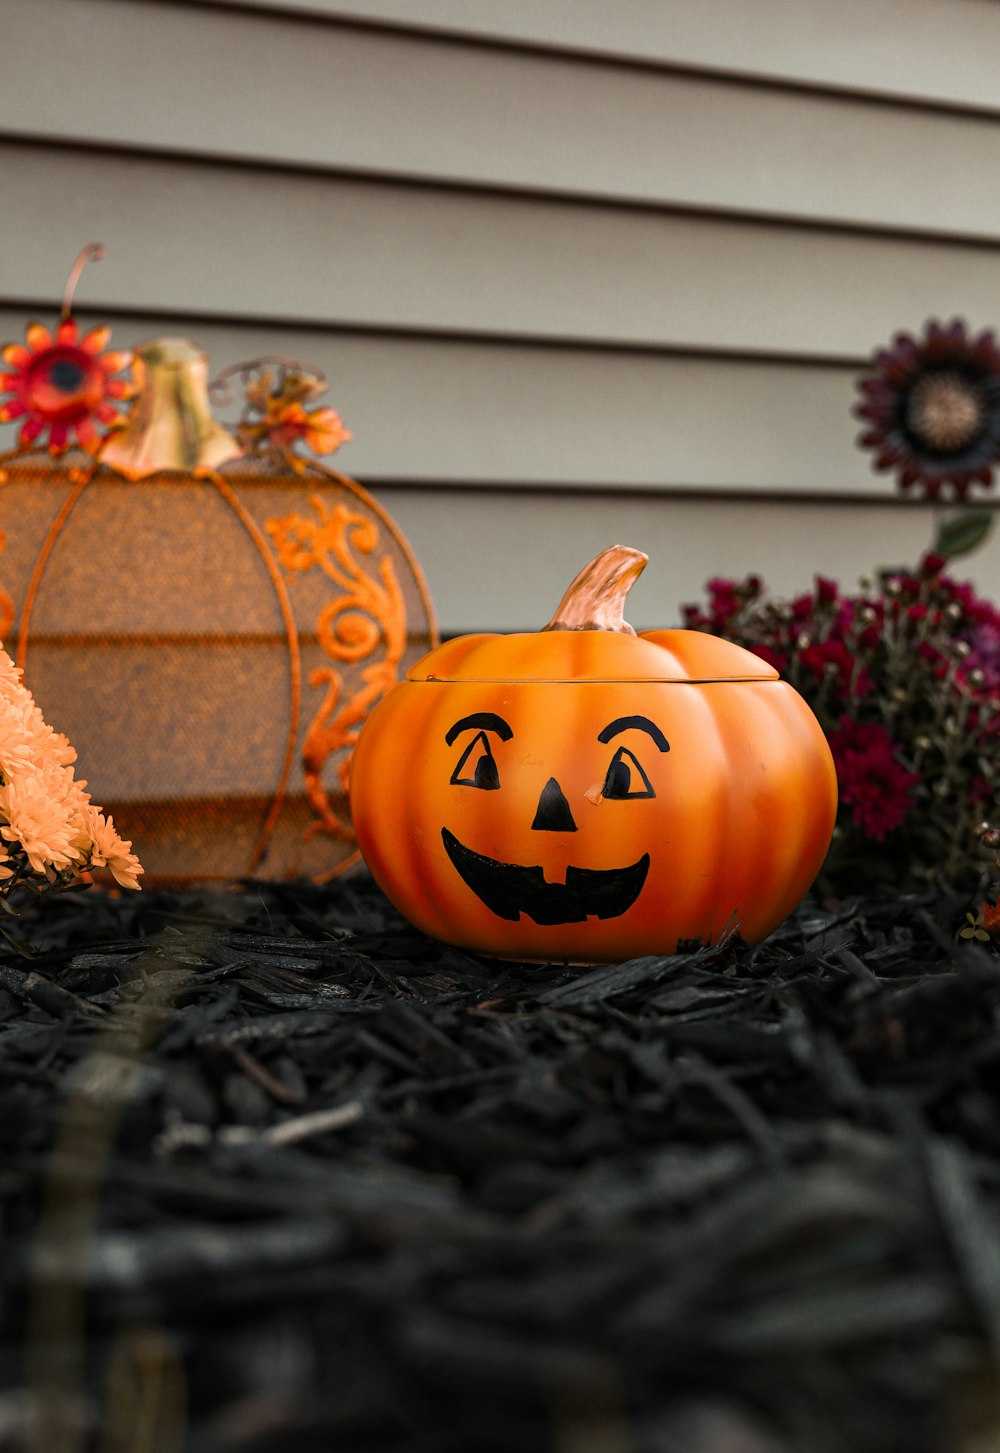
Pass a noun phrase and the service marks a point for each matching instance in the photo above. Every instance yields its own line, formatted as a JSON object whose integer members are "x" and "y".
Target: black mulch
{"x": 280, "y": 1174}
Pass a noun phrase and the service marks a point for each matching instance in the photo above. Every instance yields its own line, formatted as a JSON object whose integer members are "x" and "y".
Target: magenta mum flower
{"x": 873, "y": 784}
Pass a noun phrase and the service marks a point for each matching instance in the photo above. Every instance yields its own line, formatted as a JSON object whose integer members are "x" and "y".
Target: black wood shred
{"x": 278, "y": 1173}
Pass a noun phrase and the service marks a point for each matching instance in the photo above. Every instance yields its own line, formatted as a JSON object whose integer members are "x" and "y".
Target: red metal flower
{"x": 63, "y": 383}
{"x": 932, "y": 406}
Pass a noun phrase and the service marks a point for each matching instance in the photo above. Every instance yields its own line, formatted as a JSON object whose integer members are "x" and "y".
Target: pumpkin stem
{"x": 93, "y": 250}
{"x": 596, "y": 599}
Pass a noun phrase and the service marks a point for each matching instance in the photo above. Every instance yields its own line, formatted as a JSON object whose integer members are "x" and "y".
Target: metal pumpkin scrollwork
{"x": 364, "y": 625}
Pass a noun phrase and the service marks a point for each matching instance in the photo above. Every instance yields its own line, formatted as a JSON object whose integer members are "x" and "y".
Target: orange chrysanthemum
{"x": 111, "y": 851}
{"x": 36, "y": 822}
{"x": 63, "y": 384}
{"x": 48, "y": 824}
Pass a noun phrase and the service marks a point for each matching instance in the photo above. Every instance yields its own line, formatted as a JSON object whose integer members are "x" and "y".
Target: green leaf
{"x": 961, "y": 534}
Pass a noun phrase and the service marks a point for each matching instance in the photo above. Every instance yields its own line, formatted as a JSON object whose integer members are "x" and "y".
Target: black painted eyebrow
{"x": 487, "y": 721}
{"x": 640, "y": 723}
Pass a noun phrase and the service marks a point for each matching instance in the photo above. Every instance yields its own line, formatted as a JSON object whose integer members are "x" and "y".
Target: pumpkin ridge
{"x": 594, "y": 680}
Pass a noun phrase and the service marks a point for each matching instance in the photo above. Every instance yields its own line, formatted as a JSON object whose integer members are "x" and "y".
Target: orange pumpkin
{"x": 590, "y": 794}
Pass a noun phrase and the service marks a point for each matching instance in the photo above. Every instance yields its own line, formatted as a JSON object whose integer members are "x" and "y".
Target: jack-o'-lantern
{"x": 585, "y": 793}
{"x": 208, "y": 615}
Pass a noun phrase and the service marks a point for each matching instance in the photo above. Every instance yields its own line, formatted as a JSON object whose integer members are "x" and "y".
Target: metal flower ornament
{"x": 63, "y": 382}
{"x": 931, "y": 405}
{"x": 275, "y": 418}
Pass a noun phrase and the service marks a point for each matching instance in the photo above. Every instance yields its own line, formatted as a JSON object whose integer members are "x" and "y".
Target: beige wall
{"x": 578, "y": 271}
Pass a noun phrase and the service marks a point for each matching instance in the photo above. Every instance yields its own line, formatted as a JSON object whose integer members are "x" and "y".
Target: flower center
{"x": 63, "y": 384}
{"x": 66, "y": 376}
{"x": 945, "y": 412}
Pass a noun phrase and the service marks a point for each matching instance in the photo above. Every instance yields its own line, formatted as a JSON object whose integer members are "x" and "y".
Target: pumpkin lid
{"x": 588, "y": 639}
{"x": 680, "y": 655}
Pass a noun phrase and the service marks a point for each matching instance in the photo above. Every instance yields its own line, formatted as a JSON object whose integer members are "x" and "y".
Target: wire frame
{"x": 211, "y": 647}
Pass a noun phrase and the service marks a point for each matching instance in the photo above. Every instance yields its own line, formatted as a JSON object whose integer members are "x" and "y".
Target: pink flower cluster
{"x": 874, "y": 784}
{"x": 904, "y": 677}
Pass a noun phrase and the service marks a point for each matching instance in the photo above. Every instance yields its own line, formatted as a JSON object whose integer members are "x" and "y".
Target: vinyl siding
{"x": 942, "y": 52}
{"x": 572, "y": 281}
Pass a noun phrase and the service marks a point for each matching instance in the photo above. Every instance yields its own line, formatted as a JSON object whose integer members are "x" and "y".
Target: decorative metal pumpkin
{"x": 590, "y": 794}
{"x": 209, "y": 618}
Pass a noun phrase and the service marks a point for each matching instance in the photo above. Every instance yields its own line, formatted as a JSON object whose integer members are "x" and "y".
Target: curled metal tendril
{"x": 222, "y": 389}
{"x": 93, "y": 252}
{"x": 346, "y": 632}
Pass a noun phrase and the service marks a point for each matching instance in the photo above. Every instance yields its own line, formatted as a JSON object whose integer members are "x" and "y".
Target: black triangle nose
{"x": 553, "y": 813}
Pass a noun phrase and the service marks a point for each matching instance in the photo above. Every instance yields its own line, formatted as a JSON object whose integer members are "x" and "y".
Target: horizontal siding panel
{"x": 457, "y": 412}
{"x": 502, "y": 562}
{"x": 944, "y": 52}
{"x": 238, "y": 242}
{"x": 370, "y": 101}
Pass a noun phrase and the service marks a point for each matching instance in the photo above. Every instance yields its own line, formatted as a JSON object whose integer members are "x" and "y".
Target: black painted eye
{"x": 626, "y": 778}
{"x": 478, "y": 766}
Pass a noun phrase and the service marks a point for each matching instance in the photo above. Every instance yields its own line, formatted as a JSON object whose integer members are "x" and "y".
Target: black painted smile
{"x": 509, "y": 890}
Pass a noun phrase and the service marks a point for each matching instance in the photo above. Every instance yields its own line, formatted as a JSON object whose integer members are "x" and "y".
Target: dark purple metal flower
{"x": 932, "y": 406}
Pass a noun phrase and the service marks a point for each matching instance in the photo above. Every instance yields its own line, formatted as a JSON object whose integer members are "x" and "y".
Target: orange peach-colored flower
{"x": 52, "y": 748}
{"x": 27, "y": 742}
{"x": 68, "y": 792}
{"x": 45, "y": 812}
{"x": 10, "y": 675}
{"x": 63, "y": 383}
{"x": 17, "y": 737}
{"x": 109, "y": 850}
{"x": 42, "y": 826}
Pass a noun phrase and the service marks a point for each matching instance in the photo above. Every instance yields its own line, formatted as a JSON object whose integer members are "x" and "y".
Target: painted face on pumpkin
{"x": 510, "y": 889}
